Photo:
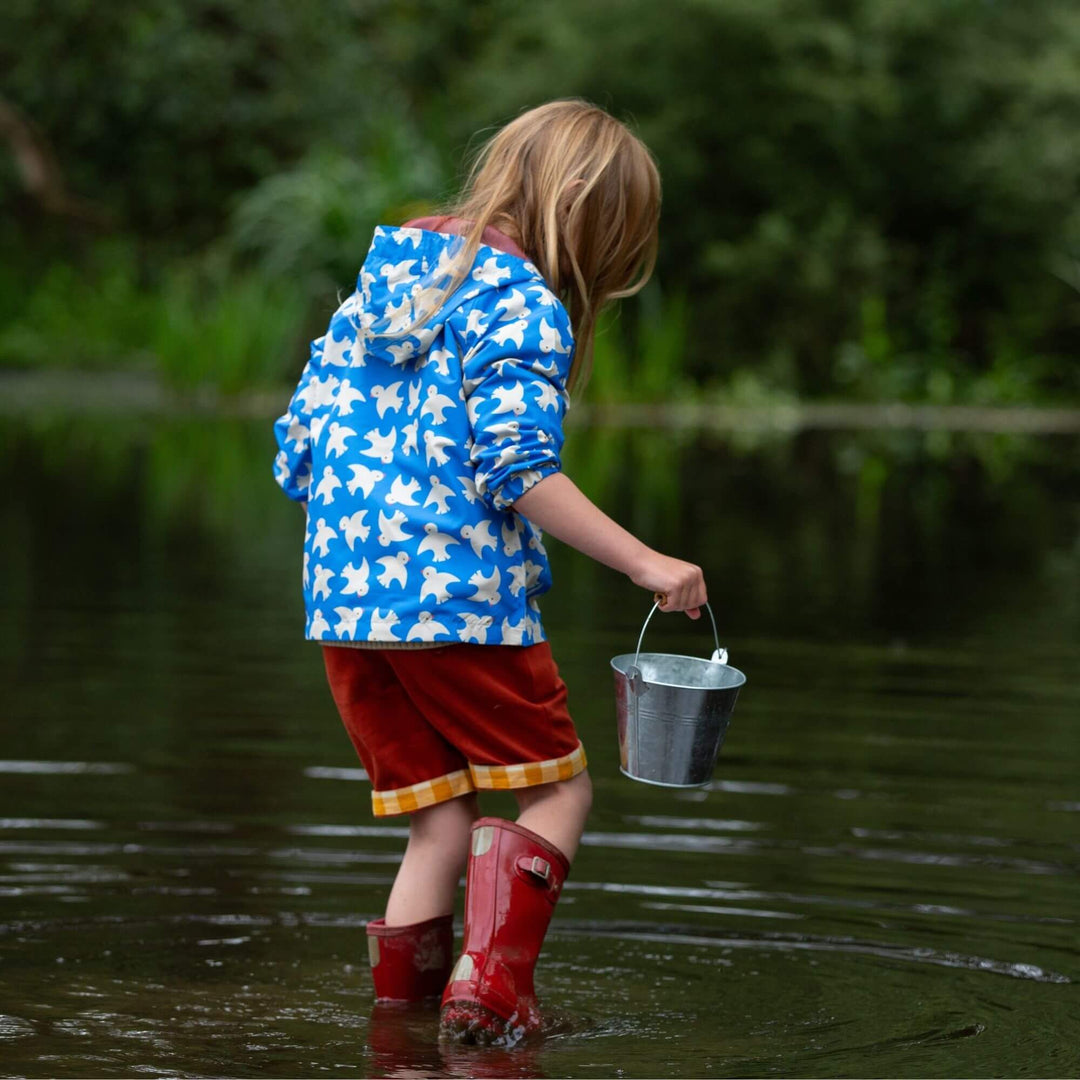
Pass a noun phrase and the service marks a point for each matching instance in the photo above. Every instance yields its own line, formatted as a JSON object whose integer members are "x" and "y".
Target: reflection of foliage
{"x": 826, "y": 534}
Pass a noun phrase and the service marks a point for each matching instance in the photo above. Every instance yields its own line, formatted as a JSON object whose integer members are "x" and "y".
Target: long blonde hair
{"x": 580, "y": 194}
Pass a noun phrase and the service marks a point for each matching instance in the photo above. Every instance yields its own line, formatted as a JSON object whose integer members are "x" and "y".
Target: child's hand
{"x": 680, "y": 586}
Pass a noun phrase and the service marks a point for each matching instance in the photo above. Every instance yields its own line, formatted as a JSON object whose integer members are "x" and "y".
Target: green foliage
{"x": 866, "y": 200}
{"x": 198, "y": 323}
{"x": 314, "y": 222}
{"x": 817, "y": 161}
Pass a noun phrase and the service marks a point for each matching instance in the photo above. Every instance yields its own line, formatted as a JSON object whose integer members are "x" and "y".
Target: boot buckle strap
{"x": 537, "y": 867}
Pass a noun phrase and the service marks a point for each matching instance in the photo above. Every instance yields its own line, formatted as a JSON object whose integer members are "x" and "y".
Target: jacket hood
{"x": 406, "y": 270}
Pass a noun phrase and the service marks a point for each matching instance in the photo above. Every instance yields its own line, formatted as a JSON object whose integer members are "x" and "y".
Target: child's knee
{"x": 575, "y": 794}
{"x": 445, "y": 823}
{"x": 582, "y": 791}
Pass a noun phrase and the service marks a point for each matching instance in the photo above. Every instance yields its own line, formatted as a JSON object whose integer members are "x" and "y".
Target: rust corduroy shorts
{"x": 432, "y": 724}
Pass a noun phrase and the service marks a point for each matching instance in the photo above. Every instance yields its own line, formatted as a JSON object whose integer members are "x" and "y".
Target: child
{"x": 424, "y": 439}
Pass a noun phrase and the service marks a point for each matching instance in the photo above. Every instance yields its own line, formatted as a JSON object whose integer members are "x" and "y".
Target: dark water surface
{"x": 882, "y": 879}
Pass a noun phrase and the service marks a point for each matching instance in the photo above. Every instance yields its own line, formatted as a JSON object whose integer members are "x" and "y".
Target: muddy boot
{"x": 513, "y": 883}
{"x": 409, "y": 963}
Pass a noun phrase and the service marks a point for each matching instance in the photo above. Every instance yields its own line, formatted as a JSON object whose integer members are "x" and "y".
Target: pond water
{"x": 881, "y": 880}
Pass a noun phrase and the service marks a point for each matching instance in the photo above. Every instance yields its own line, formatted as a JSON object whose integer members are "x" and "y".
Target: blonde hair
{"x": 580, "y": 194}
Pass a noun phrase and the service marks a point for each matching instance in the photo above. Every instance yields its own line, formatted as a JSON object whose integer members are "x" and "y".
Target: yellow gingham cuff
{"x": 529, "y": 774}
{"x": 416, "y": 796}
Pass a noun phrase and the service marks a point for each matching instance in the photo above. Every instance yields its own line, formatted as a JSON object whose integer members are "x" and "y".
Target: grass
{"x": 197, "y": 323}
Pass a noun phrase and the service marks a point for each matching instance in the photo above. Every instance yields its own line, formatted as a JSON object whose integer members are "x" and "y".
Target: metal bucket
{"x": 673, "y": 712}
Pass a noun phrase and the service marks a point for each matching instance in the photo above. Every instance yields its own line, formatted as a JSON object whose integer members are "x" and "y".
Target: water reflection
{"x": 881, "y": 878}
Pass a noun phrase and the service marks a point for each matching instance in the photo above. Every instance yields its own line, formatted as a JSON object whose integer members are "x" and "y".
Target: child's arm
{"x": 558, "y": 506}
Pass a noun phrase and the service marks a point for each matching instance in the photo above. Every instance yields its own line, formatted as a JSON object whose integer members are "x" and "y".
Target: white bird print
{"x": 447, "y": 262}
{"x": 509, "y": 455}
{"x": 323, "y": 535}
{"x": 513, "y": 306}
{"x": 390, "y": 529}
{"x": 549, "y": 371}
{"x": 317, "y": 425}
{"x": 436, "y": 405}
{"x": 544, "y": 296}
{"x": 356, "y": 579}
{"x": 319, "y": 626}
{"x": 326, "y": 486}
{"x": 547, "y": 396}
{"x": 532, "y": 573}
{"x": 323, "y": 574}
{"x": 468, "y": 488}
{"x": 511, "y": 399}
{"x": 511, "y": 535}
{"x": 363, "y": 479}
{"x": 336, "y": 353}
{"x": 306, "y": 575}
{"x": 517, "y": 580}
{"x": 550, "y": 339}
{"x": 514, "y": 332}
{"x": 436, "y": 543}
{"x": 346, "y": 397}
{"x": 487, "y": 588}
{"x": 475, "y": 324}
{"x": 491, "y": 273}
{"x": 440, "y": 358}
{"x": 435, "y": 447}
{"x": 436, "y": 584}
{"x": 318, "y": 392}
{"x": 387, "y": 397}
{"x": 408, "y": 443}
{"x": 297, "y": 433}
{"x": 440, "y": 495}
{"x": 393, "y": 570}
{"x": 399, "y": 273}
{"x": 532, "y": 476}
{"x": 498, "y": 433}
{"x": 412, "y": 236}
{"x": 480, "y": 536}
{"x": 401, "y": 352}
{"x": 536, "y": 544}
{"x": 475, "y": 628}
{"x": 382, "y": 626}
{"x": 338, "y": 438}
{"x": 426, "y": 628}
{"x": 532, "y": 620}
{"x": 513, "y": 633}
{"x": 414, "y": 395}
{"x": 402, "y": 494}
{"x": 472, "y": 408}
{"x": 347, "y": 620}
{"x": 399, "y": 316}
{"x": 353, "y": 526}
{"x": 382, "y": 446}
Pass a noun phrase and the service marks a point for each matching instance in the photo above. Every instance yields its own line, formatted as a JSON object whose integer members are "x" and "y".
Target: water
{"x": 882, "y": 879}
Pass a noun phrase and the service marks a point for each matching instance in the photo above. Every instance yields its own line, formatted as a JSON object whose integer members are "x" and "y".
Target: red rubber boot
{"x": 513, "y": 883}
{"x": 412, "y": 962}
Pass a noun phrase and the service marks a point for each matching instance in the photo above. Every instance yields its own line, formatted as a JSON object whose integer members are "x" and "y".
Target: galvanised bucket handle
{"x": 720, "y": 656}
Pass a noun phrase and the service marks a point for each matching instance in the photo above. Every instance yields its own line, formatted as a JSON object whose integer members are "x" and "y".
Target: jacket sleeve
{"x": 514, "y": 378}
{"x": 292, "y": 466}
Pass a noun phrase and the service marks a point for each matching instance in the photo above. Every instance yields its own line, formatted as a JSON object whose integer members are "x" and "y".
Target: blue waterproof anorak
{"x": 411, "y": 448}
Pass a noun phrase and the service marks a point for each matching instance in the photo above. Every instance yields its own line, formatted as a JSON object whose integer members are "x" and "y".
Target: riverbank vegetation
{"x": 866, "y": 201}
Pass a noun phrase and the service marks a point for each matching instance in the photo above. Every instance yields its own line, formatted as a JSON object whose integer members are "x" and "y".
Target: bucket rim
{"x": 630, "y": 657}
{"x": 665, "y": 783}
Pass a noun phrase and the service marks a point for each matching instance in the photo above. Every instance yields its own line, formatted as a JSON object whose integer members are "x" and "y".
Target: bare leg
{"x": 427, "y": 880}
{"x": 557, "y": 812}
